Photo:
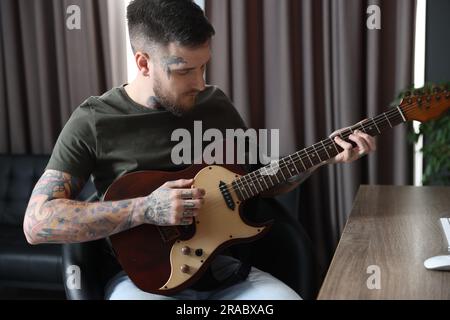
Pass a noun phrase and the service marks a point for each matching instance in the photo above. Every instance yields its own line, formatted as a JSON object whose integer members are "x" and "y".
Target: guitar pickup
{"x": 226, "y": 195}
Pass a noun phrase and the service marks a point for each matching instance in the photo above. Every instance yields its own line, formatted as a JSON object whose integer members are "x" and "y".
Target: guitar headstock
{"x": 427, "y": 103}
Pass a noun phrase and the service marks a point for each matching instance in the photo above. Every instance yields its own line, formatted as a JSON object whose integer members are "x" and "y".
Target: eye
{"x": 183, "y": 72}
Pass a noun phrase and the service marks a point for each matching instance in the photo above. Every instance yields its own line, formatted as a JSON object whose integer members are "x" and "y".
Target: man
{"x": 128, "y": 129}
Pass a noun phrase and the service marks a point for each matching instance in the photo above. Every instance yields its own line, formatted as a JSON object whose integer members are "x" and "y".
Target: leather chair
{"x": 23, "y": 265}
{"x": 285, "y": 252}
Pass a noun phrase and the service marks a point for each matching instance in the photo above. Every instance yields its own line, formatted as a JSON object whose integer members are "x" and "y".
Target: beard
{"x": 168, "y": 102}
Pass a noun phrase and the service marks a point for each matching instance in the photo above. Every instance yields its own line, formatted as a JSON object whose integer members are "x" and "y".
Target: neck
{"x": 269, "y": 176}
{"x": 140, "y": 94}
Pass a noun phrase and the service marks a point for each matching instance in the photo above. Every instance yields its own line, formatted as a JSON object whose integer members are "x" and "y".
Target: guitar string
{"x": 217, "y": 201}
{"x": 346, "y": 132}
{"x": 298, "y": 156}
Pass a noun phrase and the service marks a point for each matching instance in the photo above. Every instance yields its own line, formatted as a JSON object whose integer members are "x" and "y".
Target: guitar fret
{"x": 307, "y": 153}
{"x": 325, "y": 149}
{"x": 252, "y": 180}
{"x": 258, "y": 180}
{"x": 376, "y": 125}
{"x": 250, "y": 184}
{"x": 288, "y": 167}
{"x": 269, "y": 175}
{"x": 281, "y": 170}
{"x": 362, "y": 127}
{"x": 303, "y": 164}
{"x": 330, "y": 143}
{"x": 275, "y": 174}
{"x": 384, "y": 113}
{"x": 401, "y": 113}
{"x": 263, "y": 179}
{"x": 242, "y": 187}
{"x": 293, "y": 164}
{"x": 245, "y": 189}
{"x": 237, "y": 190}
{"x": 317, "y": 152}
{"x": 335, "y": 147}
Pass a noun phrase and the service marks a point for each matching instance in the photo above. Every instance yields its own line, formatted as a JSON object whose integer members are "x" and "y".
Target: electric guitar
{"x": 165, "y": 260}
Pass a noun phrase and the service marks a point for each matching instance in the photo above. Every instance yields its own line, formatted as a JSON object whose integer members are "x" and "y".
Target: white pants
{"x": 259, "y": 285}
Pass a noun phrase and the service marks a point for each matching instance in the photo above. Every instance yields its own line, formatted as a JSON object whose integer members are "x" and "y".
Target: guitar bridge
{"x": 226, "y": 195}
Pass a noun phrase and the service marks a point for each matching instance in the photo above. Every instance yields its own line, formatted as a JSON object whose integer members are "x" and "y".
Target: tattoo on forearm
{"x": 74, "y": 221}
{"x": 53, "y": 217}
{"x": 169, "y": 61}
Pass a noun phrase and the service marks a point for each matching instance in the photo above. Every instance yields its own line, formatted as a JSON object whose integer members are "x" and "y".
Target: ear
{"x": 143, "y": 63}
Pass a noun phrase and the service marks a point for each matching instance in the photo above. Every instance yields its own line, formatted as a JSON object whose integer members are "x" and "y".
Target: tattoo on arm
{"x": 158, "y": 207}
{"x": 56, "y": 184}
{"x": 167, "y": 62}
{"x": 52, "y": 216}
{"x": 73, "y": 221}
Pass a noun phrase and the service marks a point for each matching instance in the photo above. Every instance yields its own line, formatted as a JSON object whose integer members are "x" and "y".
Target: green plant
{"x": 436, "y": 150}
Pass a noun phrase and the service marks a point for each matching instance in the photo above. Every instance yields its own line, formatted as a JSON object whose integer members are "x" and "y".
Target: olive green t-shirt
{"x": 111, "y": 135}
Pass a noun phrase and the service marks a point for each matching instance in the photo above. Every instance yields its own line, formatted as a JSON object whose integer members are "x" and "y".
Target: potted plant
{"x": 435, "y": 150}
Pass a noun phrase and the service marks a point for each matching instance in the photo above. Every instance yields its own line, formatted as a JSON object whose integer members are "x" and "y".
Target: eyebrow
{"x": 188, "y": 69}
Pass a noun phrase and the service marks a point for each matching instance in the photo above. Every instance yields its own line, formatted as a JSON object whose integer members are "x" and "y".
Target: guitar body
{"x": 165, "y": 260}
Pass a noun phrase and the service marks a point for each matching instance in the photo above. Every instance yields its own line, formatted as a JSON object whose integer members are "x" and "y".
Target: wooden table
{"x": 394, "y": 229}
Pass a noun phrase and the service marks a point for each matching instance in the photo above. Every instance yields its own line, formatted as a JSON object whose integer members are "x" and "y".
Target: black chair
{"x": 23, "y": 265}
{"x": 285, "y": 252}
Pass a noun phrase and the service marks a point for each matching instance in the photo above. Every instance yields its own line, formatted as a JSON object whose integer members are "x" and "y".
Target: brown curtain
{"x": 309, "y": 67}
{"x": 47, "y": 70}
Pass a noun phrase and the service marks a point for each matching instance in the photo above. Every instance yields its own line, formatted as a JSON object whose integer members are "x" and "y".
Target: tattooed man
{"x": 129, "y": 129}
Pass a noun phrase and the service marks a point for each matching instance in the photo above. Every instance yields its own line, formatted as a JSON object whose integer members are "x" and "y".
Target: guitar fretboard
{"x": 278, "y": 172}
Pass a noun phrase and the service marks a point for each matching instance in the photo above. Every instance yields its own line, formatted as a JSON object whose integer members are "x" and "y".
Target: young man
{"x": 129, "y": 129}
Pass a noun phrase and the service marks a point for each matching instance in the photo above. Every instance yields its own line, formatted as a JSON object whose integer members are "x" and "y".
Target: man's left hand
{"x": 365, "y": 145}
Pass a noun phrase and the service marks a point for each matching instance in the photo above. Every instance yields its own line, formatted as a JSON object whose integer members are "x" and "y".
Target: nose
{"x": 200, "y": 82}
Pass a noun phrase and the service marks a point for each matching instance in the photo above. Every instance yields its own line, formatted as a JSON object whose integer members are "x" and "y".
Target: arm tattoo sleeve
{"x": 52, "y": 217}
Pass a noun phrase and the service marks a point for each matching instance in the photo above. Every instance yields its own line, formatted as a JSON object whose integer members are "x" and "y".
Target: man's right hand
{"x": 174, "y": 203}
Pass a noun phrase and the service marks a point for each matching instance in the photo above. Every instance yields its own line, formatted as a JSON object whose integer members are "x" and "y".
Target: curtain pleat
{"x": 48, "y": 70}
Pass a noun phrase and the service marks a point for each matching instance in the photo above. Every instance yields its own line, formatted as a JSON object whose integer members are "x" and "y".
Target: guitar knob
{"x": 186, "y": 251}
{"x": 185, "y": 268}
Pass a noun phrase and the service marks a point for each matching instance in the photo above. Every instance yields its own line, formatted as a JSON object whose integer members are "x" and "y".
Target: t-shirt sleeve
{"x": 75, "y": 149}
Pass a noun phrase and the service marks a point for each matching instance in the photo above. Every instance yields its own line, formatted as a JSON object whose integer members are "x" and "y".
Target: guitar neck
{"x": 278, "y": 172}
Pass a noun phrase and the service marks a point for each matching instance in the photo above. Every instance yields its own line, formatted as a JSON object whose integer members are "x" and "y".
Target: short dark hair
{"x": 160, "y": 22}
